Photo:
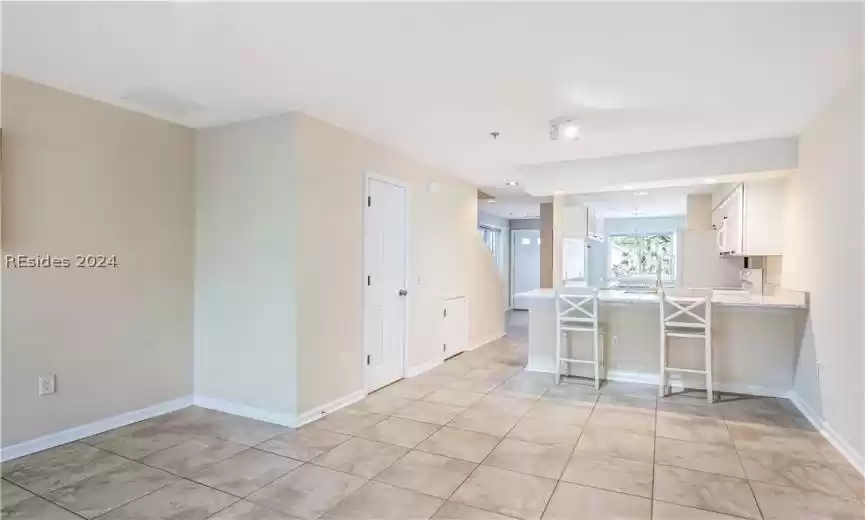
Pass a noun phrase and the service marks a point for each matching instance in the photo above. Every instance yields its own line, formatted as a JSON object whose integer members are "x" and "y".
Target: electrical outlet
{"x": 615, "y": 340}
{"x": 819, "y": 366}
{"x": 47, "y": 384}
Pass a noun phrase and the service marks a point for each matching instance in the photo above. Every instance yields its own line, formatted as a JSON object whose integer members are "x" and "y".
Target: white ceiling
{"x": 433, "y": 80}
{"x": 514, "y": 206}
{"x": 660, "y": 202}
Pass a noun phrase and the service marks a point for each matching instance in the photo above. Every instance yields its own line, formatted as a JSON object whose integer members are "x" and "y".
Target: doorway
{"x": 525, "y": 264}
{"x": 385, "y": 299}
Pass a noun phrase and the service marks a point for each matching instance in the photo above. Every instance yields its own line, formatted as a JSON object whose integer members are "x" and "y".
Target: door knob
{"x": 403, "y": 292}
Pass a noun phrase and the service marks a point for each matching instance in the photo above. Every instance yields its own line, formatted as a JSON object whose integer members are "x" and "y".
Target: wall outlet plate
{"x": 47, "y": 384}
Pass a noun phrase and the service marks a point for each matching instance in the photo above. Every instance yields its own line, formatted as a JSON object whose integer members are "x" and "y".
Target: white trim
{"x": 251, "y": 412}
{"x": 423, "y": 367}
{"x": 650, "y": 378}
{"x": 320, "y": 411}
{"x": 86, "y": 430}
{"x": 482, "y": 343}
{"x": 856, "y": 460}
{"x": 367, "y": 176}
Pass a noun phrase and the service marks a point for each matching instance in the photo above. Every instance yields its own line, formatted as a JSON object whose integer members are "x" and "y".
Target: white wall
{"x": 245, "y": 269}
{"x": 503, "y": 225}
{"x": 825, "y": 230}
{"x": 83, "y": 177}
{"x": 614, "y": 226}
{"x": 446, "y": 258}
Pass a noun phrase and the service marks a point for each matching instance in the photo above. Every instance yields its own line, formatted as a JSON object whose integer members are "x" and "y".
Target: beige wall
{"x": 84, "y": 177}
{"x": 825, "y": 231}
{"x": 245, "y": 290}
{"x": 698, "y": 214}
{"x": 446, "y": 258}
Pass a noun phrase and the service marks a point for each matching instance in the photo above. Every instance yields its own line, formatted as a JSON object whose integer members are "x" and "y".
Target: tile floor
{"x": 477, "y": 438}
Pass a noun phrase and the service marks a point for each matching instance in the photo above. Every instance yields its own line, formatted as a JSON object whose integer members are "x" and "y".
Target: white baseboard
{"x": 251, "y": 412}
{"x": 93, "y": 428}
{"x": 654, "y": 379}
{"x": 420, "y": 369}
{"x": 494, "y": 338}
{"x": 857, "y": 460}
{"x": 336, "y": 404}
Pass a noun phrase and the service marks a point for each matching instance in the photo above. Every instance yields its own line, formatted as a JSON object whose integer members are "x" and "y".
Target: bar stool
{"x": 687, "y": 313}
{"x": 577, "y": 311}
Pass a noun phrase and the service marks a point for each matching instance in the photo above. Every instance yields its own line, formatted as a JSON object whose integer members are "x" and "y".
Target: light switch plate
{"x": 47, "y": 384}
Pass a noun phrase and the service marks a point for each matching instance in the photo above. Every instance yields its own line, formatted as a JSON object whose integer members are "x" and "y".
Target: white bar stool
{"x": 687, "y": 313}
{"x": 577, "y": 311}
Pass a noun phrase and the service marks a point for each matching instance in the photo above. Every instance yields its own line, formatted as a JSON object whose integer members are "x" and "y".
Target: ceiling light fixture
{"x": 491, "y": 201}
{"x": 641, "y": 193}
{"x": 710, "y": 181}
{"x": 564, "y": 129}
{"x": 511, "y": 183}
{"x": 626, "y": 187}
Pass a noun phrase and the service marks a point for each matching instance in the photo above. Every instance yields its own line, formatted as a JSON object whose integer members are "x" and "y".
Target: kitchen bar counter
{"x": 755, "y": 339}
{"x": 785, "y": 300}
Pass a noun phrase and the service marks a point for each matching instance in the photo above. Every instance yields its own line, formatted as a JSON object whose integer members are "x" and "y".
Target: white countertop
{"x": 787, "y": 300}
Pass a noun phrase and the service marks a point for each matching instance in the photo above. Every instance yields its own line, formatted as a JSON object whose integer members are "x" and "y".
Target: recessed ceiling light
{"x": 710, "y": 181}
{"x": 642, "y": 193}
{"x": 491, "y": 201}
{"x": 511, "y": 183}
{"x": 626, "y": 187}
{"x": 558, "y": 192}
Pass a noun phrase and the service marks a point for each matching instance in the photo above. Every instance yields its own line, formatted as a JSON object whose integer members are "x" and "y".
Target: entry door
{"x": 526, "y": 264}
{"x": 385, "y": 292}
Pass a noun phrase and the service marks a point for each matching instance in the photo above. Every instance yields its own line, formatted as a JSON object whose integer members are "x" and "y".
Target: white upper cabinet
{"x": 750, "y": 220}
{"x": 580, "y": 222}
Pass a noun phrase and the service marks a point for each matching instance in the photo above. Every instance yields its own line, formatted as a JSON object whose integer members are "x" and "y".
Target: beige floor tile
{"x": 461, "y": 398}
{"x": 432, "y": 379}
{"x": 506, "y": 492}
{"x": 550, "y": 412}
{"x": 143, "y": 442}
{"x": 688, "y": 408}
{"x": 242, "y": 430}
{"x": 378, "y": 501}
{"x": 427, "y": 473}
{"x": 304, "y": 444}
{"x": 719, "y": 493}
{"x": 480, "y": 386}
{"x": 711, "y": 458}
{"x": 571, "y": 395}
{"x": 542, "y": 460}
{"x": 361, "y": 457}
{"x": 692, "y": 429}
{"x": 854, "y": 480}
{"x": 51, "y": 457}
{"x": 183, "y": 500}
{"x": 630, "y": 390}
{"x": 574, "y": 502}
{"x": 665, "y": 511}
{"x": 457, "y": 511}
{"x": 618, "y": 403}
{"x": 245, "y": 472}
{"x": 494, "y": 403}
{"x": 401, "y": 432}
{"x": 409, "y": 389}
{"x": 617, "y": 444}
{"x": 611, "y": 473}
{"x": 385, "y": 403}
{"x": 93, "y": 440}
{"x": 307, "y": 492}
{"x": 10, "y": 494}
{"x": 36, "y": 508}
{"x": 244, "y": 510}
{"x": 627, "y": 422}
{"x": 786, "y": 503}
{"x": 193, "y": 455}
{"x": 460, "y": 444}
{"x": 99, "y": 494}
{"x": 432, "y": 413}
{"x": 525, "y": 384}
{"x": 783, "y": 470}
{"x": 788, "y": 441}
{"x": 545, "y": 432}
{"x": 64, "y": 468}
{"x": 348, "y": 421}
{"x": 497, "y": 424}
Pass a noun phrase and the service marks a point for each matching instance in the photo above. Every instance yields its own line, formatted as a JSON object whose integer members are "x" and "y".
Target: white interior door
{"x": 526, "y": 264}
{"x": 385, "y": 294}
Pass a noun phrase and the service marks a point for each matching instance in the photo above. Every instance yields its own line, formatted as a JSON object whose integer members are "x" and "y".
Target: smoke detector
{"x": 564, "y": 129}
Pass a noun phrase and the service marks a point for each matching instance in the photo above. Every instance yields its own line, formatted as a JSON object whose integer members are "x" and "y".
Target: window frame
{"x": 497, "y": 234}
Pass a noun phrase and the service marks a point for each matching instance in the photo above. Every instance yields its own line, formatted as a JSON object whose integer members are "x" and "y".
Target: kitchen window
{"x": 639, "y": 256}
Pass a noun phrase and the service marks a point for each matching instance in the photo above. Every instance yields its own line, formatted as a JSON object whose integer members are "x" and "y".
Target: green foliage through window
{"x": 640, "y": 255}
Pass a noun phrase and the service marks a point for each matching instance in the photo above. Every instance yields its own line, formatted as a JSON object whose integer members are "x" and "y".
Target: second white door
{"x": 385, "y": 294}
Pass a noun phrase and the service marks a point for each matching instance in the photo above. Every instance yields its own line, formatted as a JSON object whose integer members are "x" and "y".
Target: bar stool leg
{"x": 597, "y": 365}
{"x": 710, "y": 387}
{"x": 559, "y": 333}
